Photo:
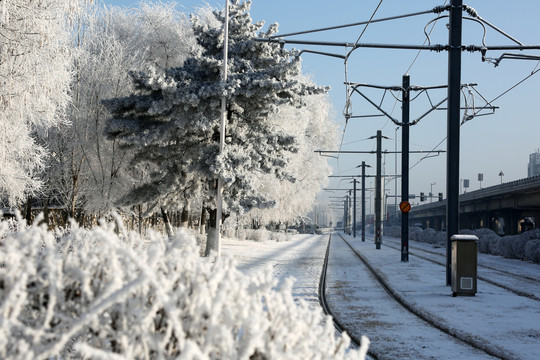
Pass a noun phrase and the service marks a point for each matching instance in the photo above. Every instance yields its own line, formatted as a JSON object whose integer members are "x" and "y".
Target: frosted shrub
{"x": 505, "y": 246}
{"x": 532, "y": 234}
{"x": 480, "y": 233}
{"x": 484, "y": 244}
{"x": 487, "y": 240}
{"x": 494, "y": 248}
{"x": 428, "y": 236}
{"x": 532, "y": 251}
{"x": 415, "y": 233}
{"x": 392, "y": 231}
{"x": 278, "y": 236}
{"x": 258, "y": 235}
{"x": 532, "y": 245}
{"x": 466, "y": 232}
{"x": 518, "y": 247}
{"x": 440, "y": 238}
{"x": 95, "y": 294}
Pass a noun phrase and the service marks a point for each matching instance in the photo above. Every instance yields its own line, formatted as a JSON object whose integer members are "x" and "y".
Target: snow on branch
{"x": 97, "y": 294}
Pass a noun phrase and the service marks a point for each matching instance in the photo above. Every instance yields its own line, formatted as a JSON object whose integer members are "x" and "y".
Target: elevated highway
{"x": 507, "y": 209}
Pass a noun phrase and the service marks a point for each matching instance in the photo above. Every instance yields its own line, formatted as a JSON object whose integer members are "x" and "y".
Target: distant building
{"x": 534, "y": 164}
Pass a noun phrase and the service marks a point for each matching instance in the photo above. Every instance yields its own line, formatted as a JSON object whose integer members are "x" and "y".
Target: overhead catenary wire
{"x": 535, "y": 70}
{"x": 348, "y": 110}
{"x": 471, "y": 48}
{"x": 437, "y": 10}
{"x": 364, "y": 30}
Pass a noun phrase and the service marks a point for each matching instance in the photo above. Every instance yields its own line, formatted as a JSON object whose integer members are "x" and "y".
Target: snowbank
{"x": 98, "y": 294}
{"x": 524, "y": 246}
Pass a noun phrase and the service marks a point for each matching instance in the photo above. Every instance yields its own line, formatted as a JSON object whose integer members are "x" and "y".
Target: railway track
{"x": 464, "y": 339}
{"x": 514, "y": 282}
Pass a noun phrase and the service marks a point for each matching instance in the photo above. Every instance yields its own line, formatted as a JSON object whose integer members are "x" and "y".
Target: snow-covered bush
{"x": 441, "y": 238}
{"x": 392, "y": 231}
{"x": 415, "y": 233}
{"x": 487, "y": 240}
{"x": 532, "y": 251}
{"x": 96, "y": 294}
{"x": 428, "y": 236}
{"x": 525, "y": 246}
{"x": 504, "y": 246}
{"x": 518, "y": 247}
{"x": 278, "y": 236}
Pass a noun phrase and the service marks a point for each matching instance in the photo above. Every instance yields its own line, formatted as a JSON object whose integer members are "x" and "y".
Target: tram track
{"x": 326, "y": 308}
{"x": 511, "y": 289}
{"x": 398, "y": 298}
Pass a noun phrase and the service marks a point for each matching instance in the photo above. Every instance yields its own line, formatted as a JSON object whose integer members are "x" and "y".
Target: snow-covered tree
{"x": 314, "y": 129}
{"x": 173, "y": 117}
{"x": 111, "y": 42}
{"x": 35, "y": 73}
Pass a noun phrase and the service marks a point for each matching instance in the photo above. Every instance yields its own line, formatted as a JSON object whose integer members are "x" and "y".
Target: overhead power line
{"x": 436, "y": 10}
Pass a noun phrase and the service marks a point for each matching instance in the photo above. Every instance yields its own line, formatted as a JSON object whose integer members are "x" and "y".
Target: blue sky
{"x": 489, "y": 144}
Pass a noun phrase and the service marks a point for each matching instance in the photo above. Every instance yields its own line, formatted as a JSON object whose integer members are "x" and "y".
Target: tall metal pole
{"x": 405, "y": 114}
{"x": 349, "y": 217}
{"x": 345, "y": 209}
{"x": 363, "y": 201}
{"x": 395, "y": 173}
{"x": 453, "y": 122}
{"x": 378, "y": 193}
{"x": 354, "y": 208}
{"x": 219, "y": 197}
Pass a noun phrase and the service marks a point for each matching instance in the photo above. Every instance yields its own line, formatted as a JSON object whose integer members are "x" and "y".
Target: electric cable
{"x": 436, "y": 10}
{"x": 365, "y": 28}
{"x": 419, "y": 51}
{"x": 536, "y": 70}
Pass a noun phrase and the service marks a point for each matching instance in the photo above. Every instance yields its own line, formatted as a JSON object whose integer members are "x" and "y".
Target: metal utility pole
{"x": 453, "y": 122}
{"x": 395, "y": 172}
{"x": 354, "y": 208}
{"x": 364, "y": 200}
{"x": 405, "y": 114}
{"x": 349, "y": 212}
{"x": 345, "y": 215}
{"x": 378, "y": 193}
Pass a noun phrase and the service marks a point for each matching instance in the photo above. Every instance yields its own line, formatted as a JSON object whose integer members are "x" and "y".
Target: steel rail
{"x": 463, "y": 337}
{"x": 324, "y": 303}
{"x": 492, "y": 282}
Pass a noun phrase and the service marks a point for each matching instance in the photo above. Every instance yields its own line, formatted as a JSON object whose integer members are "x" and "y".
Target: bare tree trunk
{"x": 202, "y": 222}
{"x": 140, "y": 220}
{"x": 168, "y": 226}
{"x": 212, "y": 238}
{"x": 46, "y": 215}
{"x": 28, "y": 210}
{"x": 184, "y": 218}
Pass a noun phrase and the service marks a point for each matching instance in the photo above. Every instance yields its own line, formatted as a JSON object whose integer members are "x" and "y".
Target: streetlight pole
{"x": 219, "y": 198}
{"x": 431, "y": 192}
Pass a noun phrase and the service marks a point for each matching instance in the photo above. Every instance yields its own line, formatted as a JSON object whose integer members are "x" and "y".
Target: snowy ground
{"x": 507, "y": 323}
{"x": 300, "y": 258}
